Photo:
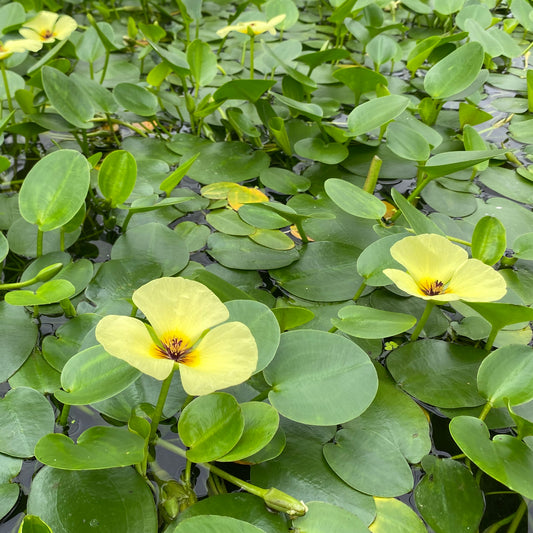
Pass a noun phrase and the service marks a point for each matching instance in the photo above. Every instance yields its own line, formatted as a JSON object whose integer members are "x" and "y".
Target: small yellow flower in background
{"x": 180, "y": 312}
{"x": 47, "y": 27}
{"x": 17, "y": 46}
{"x": 253, "y": 27}
{"x": 441, "y": 271}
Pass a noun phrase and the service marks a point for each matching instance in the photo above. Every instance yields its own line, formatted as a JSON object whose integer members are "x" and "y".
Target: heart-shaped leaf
{"x": 25, "y": 417}
{"x": 50, "y": 292}
{"x": 316, "y": 149}
{"x": 97, "y": 448}
{"x": 505, "y": 458}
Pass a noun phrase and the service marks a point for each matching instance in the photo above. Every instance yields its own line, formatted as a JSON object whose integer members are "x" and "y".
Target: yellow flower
{"x": 182, "y": 314}
{"x": 47, "y": 27}
{"x": 18, "y": 45}
{"x": 253, "y": 27}
{"x": 441, "y": 271}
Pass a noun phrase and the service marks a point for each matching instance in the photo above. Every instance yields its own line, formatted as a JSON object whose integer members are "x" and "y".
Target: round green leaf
{"x": 395, "y": 416}
{"x": 354, "y": 200}
{"x": 4, "y": 246}
{"x": 316, "y": 149}
{"x": 25, "y": 417}
{"x": 307, "y": 390}
{"x": 302, "y": 472}
{"x": 242, "y": 253}
{"x": 202, "y": 62}
{"x": 284, "y": 181}
{"x": 369, "y": 462}
{"x": 68, "y": 99}
{"x": 488, "y": 240}
{"x": 54, "y": 189}
{"x": 455, "y": 72}
{"x": 116, "y": 177}
{"x": 438, "y": 372}
{"x": 448, "y": 497}
{"x": 381, "y": 49}
{"x": 406, "y": 142}
{"x": 215, "y": 524}
{"x": 229, "y": 222}
{"x": 18, "y": 336}
{"x": 117, "y": 500}
{"x": 369, "y": 323}
{"x": 506, "y": 375}
{"x": 374, "y": 113}
{"x": 92, "y": 376}
{"x": 97, "y": 448}
{"x": 507, "y": 459}
{"x": 326, "y": 272}
{"x": 323, "y": 517}
{"x": 136, "y": 99}
{"x": 273, "y": 239}
{"x": 156, "y": 243}
{"x": 260, "y": 425}
{"x": 211, "y": 426}
{"x": 49, "y": 292}
{"x": 226, "y": 161}
{"x": 263, "y": 325}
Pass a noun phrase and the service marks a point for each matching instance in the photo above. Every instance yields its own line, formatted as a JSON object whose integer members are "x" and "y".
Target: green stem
{"x": 6, "y": 86}
{"x": 301, "y": 231}
{"x": 486, "y": 408}
{"x": 491, "y": 338}
{"x": 106, "y": 64}
{"x": 160, "y": 404}
{"x": 127, "y": 221}
{"x": 274, "y": 498}
{"x": 252, "y": 57}
{"x": 423, "y": 319}
{"x": 372, "y": 176}
{"x": 40, "y": 235}
{"x": 63, "y": 417}
{"x": 517, "y": 517}
{"x": 359, "y": 291}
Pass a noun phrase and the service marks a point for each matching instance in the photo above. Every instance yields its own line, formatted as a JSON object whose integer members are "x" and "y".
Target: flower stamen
{"x": 432, "y": 288}
{"x": 175, "y": 349}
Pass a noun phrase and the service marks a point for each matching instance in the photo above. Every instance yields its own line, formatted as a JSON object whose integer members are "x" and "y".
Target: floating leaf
{"x": 306, "y": 390}
{"x": 54, "y": 190}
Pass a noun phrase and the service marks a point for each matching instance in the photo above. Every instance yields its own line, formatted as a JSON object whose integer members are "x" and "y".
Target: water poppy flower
{"x": 17, "y": 46}
{"x": 253, "y": 27}
{"x": 48, "y": 26}
{"x": 182, "y": 314}
{"x": 440, "y": 271}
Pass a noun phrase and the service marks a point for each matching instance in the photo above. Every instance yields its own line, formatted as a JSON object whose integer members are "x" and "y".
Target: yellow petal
{"x": 21, "y": 45}
{"x": 179, "y": 307}
{"x": 64, "y": 26}
{"x": 226, "y": 356}
{"x": 475, "y": 281}
{"x": 128, "y": 339}
{"x": 429, "y": 256}
{"x": 224, "y": 31}
{"x": 407, "y": 284}
{"x": 45, "y": 20}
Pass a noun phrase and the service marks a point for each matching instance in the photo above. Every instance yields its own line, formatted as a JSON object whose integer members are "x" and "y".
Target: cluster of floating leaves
{"x": 287, "y": 244}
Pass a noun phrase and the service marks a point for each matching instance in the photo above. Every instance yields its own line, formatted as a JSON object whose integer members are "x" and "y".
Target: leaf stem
{"x": 274, "y": 498}
{"x": 160, "y": 404}
{"x": 423, "y": 319}
{"x": 487, "y": 407}
{"x": 517, "y": 517}
{"x": 491, "y": 338}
